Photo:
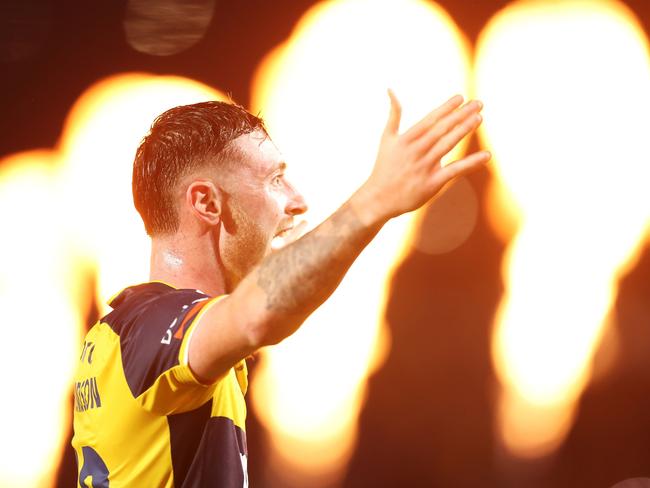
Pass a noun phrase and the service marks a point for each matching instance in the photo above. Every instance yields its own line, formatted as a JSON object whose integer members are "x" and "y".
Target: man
{"x": 161, "y": 380}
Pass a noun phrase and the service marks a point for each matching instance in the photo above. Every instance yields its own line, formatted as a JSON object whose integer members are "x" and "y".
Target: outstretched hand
{"x": 408, "y": 172}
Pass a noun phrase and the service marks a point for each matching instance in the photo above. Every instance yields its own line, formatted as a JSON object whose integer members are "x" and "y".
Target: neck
{"x": 189, "y": 263}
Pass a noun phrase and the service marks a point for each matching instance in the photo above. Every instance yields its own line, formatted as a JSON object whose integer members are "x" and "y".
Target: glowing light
{"x": 66, "y": 213}
{"x": 323, "y": 95}
{"x": 565, "y": 85}
{"x": 41, "y": 323}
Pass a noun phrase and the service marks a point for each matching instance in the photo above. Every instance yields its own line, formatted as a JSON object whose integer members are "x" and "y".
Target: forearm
{"x": 291, "y": 283}
{"x": 275, "y": 298}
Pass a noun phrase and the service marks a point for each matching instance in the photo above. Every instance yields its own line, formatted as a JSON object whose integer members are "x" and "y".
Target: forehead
{"x": 259, "y": 155}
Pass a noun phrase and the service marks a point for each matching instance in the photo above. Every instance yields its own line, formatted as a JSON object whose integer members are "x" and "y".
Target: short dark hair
{"x": 181, "y": 140}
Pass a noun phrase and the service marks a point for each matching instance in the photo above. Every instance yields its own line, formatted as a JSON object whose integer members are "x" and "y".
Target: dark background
{"x": 432, "y": 426}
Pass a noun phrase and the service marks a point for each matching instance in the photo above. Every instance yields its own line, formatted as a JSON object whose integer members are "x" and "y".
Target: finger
{"x": 447, "y": 123}
{"x": 432, "y": 117}
{"x": 392, "y": 126}
{"x": 463, "y": 166}
{"x": 447, "y": 142}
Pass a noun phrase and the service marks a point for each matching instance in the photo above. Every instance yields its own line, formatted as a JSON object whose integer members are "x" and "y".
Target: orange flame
{"x": 68, "y": 211}
{"x": 323, "y": 94}
{"x": 565, "y": 117}
{"x": 42, "y": 325}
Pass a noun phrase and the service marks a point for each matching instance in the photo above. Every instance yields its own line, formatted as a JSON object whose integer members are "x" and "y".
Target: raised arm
{"x": 277, "y": 296}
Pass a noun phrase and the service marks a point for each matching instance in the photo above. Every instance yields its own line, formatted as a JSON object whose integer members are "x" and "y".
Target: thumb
{"x": 392, "y": 126}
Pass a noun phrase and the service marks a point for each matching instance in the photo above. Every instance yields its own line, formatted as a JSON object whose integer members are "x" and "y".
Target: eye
{"x": 277, "y": 180}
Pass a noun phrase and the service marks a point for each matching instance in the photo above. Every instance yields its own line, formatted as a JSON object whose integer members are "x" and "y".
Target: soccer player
{"x": 159, "y": 391}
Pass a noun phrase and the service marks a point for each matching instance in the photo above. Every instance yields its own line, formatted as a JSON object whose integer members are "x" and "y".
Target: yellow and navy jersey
{"x": 141, "y": 417}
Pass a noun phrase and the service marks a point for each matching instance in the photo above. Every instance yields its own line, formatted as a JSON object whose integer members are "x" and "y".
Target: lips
{"x": 283, "y": 232}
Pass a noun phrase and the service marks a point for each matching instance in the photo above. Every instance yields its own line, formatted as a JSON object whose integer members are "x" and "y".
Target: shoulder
{"x": 154, "y": 322}
{"x": 155, "y": 303}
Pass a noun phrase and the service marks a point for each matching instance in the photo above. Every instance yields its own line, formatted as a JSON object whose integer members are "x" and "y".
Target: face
{"x": 260, "y": 204}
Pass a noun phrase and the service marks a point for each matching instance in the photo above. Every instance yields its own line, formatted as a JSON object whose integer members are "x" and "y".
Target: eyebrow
{"x": 281, "y": 166}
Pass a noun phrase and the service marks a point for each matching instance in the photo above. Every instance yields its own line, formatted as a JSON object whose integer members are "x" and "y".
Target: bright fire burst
{"x": 566, "y": 92}
{"x": 323, "y": 95}
{"x": 565, "y": 118}
{"x": 37, "y": 295}
{"x": 67, "y": 213}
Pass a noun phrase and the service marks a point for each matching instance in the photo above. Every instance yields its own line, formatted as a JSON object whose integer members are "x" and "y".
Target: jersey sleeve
{"x": 154, "y": 340}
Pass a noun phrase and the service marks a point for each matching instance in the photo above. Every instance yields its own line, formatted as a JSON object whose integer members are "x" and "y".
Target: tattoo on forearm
{"x": 301, "y": 276}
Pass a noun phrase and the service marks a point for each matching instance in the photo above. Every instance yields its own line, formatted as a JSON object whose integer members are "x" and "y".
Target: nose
{"x": 296, "y": 204}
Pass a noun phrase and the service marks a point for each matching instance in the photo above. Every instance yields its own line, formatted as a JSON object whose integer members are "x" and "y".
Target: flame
{"x": 71, "y": 213}
{"x": 323, "y": 95}
{"x": 565, "y": 86}
{"x": 41, "y": 323}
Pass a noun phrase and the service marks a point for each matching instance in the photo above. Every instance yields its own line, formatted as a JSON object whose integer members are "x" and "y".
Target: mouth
{"x": 283, "y": 232}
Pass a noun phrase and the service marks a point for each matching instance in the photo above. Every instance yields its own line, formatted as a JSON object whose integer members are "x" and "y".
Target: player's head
{"x": 182, "y": 140}
{"x": 211, "y": 166}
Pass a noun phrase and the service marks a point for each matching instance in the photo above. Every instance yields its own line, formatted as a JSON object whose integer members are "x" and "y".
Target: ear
{"x": 204, "y": 200}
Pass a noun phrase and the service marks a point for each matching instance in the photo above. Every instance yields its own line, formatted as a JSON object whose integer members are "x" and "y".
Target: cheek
{"x": 266, "y": 211}
{"x": 260, "y": 222}
{"x": 255, "y": 211}
{"x": 278, "y": 201}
